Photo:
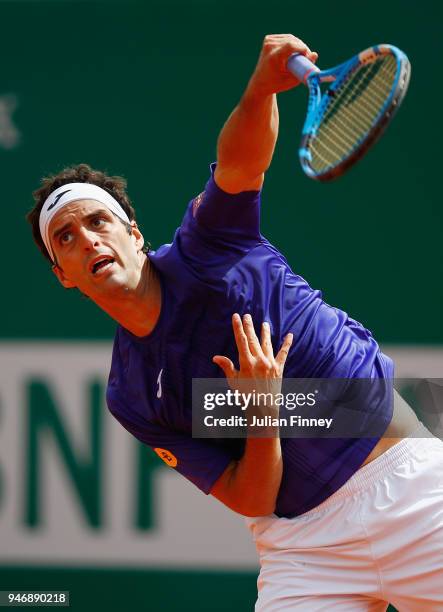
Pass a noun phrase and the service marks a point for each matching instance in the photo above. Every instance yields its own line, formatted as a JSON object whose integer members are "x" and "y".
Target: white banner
{"x": 76, "y": 489}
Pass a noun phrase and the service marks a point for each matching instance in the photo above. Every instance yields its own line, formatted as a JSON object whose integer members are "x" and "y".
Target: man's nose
{"x": 89, "y": 239}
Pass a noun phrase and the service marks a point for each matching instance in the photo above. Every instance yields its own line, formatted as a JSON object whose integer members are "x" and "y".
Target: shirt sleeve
{"x": 217, "y": 221}
{"x": 197, "y": 460}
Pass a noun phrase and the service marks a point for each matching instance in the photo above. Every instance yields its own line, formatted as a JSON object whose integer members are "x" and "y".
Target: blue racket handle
{"x": 301, "y": 67}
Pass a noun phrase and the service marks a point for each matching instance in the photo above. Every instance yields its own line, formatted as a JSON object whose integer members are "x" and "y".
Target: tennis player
{"x": 341, "y": 524}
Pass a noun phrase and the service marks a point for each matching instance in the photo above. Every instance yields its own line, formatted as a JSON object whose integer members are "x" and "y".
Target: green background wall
{"x": 142, "y": 89}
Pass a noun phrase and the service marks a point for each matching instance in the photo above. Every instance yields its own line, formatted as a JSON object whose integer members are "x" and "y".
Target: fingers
{"x": 266, "y": 343}
{"x": 226, "y": 365}
{"x": 253, "y": 343}
{"x": 296, "y": 43}
{"x": 241, "y": 340}
{"x": 254, "y": 355}
{"x": 289, "y": 44}
{"x": 283, "y": 352}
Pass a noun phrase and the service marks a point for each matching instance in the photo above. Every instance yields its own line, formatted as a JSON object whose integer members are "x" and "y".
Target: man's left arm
{"x": 247, "y": 141}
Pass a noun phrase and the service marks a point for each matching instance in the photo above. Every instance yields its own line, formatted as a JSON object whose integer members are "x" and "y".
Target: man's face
{"x": 94, "y": 251}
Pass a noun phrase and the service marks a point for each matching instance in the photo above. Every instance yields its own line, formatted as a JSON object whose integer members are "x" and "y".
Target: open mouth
{"x": 102, "y": 264}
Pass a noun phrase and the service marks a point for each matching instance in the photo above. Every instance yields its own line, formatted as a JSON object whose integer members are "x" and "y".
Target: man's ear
{"x": 62, "y": 278}
{"x": 139, "y": 239}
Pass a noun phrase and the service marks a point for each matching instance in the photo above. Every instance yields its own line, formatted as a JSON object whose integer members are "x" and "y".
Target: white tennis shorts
{"x": 377, "y": 540}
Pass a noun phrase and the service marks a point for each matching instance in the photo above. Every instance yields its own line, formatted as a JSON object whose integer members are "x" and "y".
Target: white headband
{"x": 69, "y": 193}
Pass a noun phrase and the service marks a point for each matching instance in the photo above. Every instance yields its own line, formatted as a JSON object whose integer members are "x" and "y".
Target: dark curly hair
{"x": 81, "y": 173}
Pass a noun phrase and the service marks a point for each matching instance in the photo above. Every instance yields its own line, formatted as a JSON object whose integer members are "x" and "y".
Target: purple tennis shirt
{"x": 219, "y": 263}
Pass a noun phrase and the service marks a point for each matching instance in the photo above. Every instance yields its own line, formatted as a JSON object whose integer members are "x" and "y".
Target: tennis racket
{"x": 362, "y": 97}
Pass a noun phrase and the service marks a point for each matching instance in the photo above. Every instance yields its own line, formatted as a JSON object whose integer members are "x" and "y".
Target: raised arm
{"x": 250, "y": 486}
{"x": 246, "y": 143}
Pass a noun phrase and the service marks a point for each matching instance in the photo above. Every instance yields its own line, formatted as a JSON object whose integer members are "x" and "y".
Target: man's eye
{"x": 98, "y": 222}
{"x": 65, "y": 238}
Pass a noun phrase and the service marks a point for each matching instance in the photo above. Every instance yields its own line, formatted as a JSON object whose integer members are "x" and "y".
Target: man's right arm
{"x": 250, "y": 486}
{"x": 247, "y": 141}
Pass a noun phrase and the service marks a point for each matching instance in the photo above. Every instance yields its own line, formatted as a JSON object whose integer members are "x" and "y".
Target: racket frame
{"x": 318, "y": 102}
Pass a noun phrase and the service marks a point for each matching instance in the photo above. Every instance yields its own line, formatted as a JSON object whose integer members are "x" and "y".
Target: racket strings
{"x": 350, "y": 123}
{"x": 351, "y": 112}
{"x": 342, "y": 126}
{"x": 366, "y": 103}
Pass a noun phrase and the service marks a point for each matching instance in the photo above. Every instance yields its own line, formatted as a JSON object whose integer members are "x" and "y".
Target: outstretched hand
{"x": 257, "y": 362}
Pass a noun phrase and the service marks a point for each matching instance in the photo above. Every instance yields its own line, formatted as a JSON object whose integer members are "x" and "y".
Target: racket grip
{"x": 301, "y": 67}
